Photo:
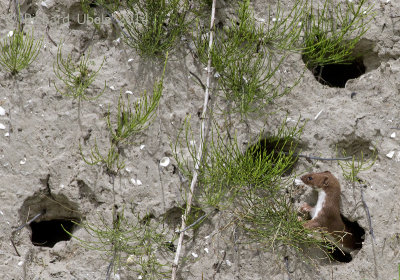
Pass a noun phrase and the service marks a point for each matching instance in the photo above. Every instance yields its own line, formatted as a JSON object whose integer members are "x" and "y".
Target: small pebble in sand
{"x": 317, "y": 116}
{"x": 164, "y": 162}
{"x": 2, "y": 126}
{"x": 2, "y": 111}
{"x": 130, "y": 260}
{"x": 393, "y": 135}
{"x": 23, "y": 161}
{"x": 390, "y": 154}
{"x": 195, "y": 255}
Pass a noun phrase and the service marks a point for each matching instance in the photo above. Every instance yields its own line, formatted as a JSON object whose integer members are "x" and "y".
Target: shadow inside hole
{"x": 273, "y": 145}
{"x": 359, "y": 236}
{"x": 359, "y": 148}
{"x": 48, "y": 233}
{"x": 336, "y": 75}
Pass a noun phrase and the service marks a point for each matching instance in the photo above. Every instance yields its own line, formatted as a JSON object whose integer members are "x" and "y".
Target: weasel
{"x": 326, "y": 213}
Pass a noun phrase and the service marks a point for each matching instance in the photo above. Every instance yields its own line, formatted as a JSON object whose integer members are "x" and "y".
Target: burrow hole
{"x": 58, "y": 213}
{"x": 359, "y": 235}
{"x": 274, "y": 145}
{"x": 48, "y": 233}
{"x": 336, "y": 75}
{"x": 173, "y": 216}
{"x": 358, "y": 147}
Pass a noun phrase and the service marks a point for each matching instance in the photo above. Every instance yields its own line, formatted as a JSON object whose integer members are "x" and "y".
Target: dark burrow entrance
{"x": 48, "y": 216}
{"x": 272, "y": 147}
{"x": 48, "y": 233}
{"x": 359, "y": 235}
{"x": 364, "y": 59}
{"x": 336, "y": 75}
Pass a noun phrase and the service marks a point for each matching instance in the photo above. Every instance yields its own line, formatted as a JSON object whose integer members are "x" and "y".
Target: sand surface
{"x": 40, "y": 164}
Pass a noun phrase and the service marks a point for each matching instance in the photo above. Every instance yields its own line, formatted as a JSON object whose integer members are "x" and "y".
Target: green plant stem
{"x": 200, "y": 149}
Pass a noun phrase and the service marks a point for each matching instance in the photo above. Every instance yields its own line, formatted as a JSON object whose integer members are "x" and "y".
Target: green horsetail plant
{"x": 332, "y": 31}
{"x": 134, "y": 117}
{"x": 358, "y": 164}
{"x": 131, "y": 118}
{"x": 18, "y": 51}
{"x": 111, "y": 161}
{"x": 153, "y": 27}
{"x": 76, "y": 78}
{"x": 140, "y": 247}
{"x": 246, "y": 57}
{"x": 227, "y": 170}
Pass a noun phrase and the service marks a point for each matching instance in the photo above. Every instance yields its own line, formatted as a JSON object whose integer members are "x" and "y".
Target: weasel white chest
{"x": 320, "y": 204}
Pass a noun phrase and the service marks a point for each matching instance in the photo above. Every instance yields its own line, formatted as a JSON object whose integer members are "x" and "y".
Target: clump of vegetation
{"x": 252, "y": 184}
{"x": 135, "y": 246}
{"x": 153, "y": 27}
{"x": 139, "y": 246}
{"x": 245, "y": 57}
{"x": 76, "y": 78}
{"x": 18, "y": 51}
{"x": 357, "y": 164}
{"x": 332, "y": 31}
{"x": 131, "y": 118}
{"x": 134, "y": 117}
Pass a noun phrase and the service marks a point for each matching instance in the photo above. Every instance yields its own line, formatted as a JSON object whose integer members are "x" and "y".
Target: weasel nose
{"x": 298, "y": 182}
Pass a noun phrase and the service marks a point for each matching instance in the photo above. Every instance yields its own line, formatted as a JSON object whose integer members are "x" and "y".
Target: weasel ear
{"x": 327, "y": 172}
{"x": 326, "y": 181}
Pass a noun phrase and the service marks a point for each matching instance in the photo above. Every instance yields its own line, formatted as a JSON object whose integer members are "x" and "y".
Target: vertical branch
{"x": 17, "y": 16}
{"x": 200, "y": 149}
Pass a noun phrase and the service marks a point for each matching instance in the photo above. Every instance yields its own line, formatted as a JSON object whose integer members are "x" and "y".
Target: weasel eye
{"x": 309, "y": 178}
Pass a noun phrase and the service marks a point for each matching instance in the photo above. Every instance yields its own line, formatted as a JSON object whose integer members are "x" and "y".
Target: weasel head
{"x": 321, "y": 181}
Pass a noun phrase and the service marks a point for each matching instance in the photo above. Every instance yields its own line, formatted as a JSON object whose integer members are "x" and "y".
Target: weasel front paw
{"x": 305, "y": 208}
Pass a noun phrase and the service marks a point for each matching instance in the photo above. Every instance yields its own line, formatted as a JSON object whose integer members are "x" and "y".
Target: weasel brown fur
{"x": 326, "y": 214}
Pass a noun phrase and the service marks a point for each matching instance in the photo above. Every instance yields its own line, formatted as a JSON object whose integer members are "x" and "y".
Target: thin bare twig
{"x": 319, "y": 158}
{"x": 286, "y": 260}
{"x": 308, "y": 157}
{"x": 195, "y": 222}
{"x": 21, "y": 227}
{"x": 200, "y": 149}
{"x": 218, "y": 267}
{"x": 17, "y": 16}
{"x": 48, "y": 35}
{"x": 371, "y": 230}
{"x": 198, "y": 79}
